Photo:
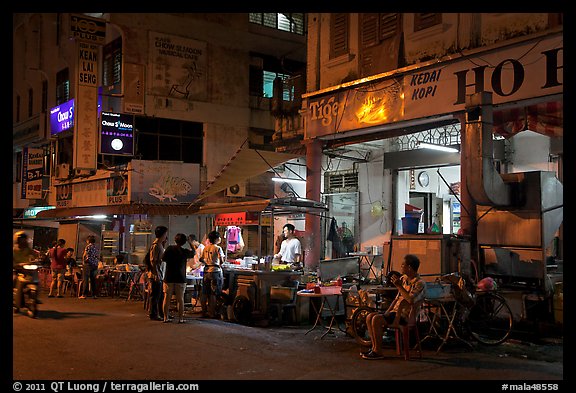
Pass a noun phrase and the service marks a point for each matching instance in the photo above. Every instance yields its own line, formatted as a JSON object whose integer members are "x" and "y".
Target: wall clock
{"x": 423, "y": 179}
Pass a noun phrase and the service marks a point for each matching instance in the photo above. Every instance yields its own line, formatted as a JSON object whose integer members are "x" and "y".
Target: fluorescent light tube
{"x": 424, "y": 145}
{"x": 284, "y": 180}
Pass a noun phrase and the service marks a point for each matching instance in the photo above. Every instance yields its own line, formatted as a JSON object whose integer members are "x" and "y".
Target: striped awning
{"x": 546, "y": 118}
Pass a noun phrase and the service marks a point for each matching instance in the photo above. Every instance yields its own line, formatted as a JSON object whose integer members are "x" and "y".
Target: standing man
{"x": 213, "y": 257}
{"x": 290, "y": 249}
{"x": 156, "y": 274}
{"x": 175, "y": 257}
{"x": 58, "y": 265}
{"x": 89, "y": 267}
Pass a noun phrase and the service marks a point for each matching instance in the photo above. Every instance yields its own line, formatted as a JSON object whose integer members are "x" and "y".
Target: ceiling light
{"x": 423, "y": 145}
{"x": 284, "y": 180}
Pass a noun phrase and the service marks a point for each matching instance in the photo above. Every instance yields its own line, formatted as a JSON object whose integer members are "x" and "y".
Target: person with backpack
{"x": 156, "y": 273}
{"x": 175, "y": 257}
{"x": 58, "y": 266}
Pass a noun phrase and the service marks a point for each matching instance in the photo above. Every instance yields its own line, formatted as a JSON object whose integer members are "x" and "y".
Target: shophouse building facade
{"x": 132, "y": 116}
{"x": 380, "y": 85}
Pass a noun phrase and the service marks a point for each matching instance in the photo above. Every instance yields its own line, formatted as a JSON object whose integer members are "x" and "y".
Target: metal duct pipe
{"x": 485, "y": 184}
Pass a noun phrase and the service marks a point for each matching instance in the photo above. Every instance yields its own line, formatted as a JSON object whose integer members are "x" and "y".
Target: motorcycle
{"x": 26, "y": 281}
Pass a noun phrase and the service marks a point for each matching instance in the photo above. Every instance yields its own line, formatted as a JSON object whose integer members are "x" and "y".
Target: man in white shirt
{"x": 291, "y": 249}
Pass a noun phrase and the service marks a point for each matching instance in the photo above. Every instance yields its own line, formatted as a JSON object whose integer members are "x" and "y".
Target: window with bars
{"x": 291, "y": 22}
{"x": 343, "y": 181}
{"x": 425, "y": 20}
{"x": 62, "y": 86}
{"x": 339, "y": 32}
{"x": 112, "y": 63}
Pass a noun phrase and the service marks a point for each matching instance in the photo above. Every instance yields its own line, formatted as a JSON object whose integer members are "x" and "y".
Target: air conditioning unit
{"x": 62, "y": 171}
{"x": 237, "y": 190}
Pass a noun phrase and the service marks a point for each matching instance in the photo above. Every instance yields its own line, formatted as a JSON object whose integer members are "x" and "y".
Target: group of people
{"x": 166, "y": 272}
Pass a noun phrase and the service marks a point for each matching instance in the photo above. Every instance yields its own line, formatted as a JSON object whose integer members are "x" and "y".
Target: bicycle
{"x": 483, "y": 315}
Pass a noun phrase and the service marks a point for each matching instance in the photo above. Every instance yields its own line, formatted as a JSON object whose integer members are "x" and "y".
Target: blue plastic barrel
{"x": 410, "y": 225}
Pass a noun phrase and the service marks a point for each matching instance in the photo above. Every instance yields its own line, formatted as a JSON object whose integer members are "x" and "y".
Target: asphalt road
{"x": 112, "y": 339}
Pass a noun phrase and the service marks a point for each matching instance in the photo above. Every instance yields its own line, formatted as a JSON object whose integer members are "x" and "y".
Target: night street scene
{"x": 211, "y": 200}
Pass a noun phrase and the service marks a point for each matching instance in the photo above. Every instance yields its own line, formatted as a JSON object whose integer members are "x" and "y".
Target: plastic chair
{"x": 402, "y": 332}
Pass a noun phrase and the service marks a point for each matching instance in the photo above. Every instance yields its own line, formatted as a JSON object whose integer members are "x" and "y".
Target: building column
{"x": 468, "y": 208}
{"x": 313, "y": 182}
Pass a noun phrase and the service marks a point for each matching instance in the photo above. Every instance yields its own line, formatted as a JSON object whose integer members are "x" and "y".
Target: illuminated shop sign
{"x": 116, "y": 134}
{"x": 62, "y": 117}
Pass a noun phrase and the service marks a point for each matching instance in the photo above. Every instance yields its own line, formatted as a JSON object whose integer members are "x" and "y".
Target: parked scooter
{"x": 26, "y": 280}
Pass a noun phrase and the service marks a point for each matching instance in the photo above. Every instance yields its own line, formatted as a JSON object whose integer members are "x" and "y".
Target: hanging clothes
{"x": 338, "y": 249}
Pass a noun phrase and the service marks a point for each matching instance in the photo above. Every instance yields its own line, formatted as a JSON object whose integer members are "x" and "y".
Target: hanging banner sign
{"x": 32, "y": 173}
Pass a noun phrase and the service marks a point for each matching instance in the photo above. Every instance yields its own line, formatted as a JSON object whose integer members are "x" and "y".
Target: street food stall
{"x": 248, "y": 281}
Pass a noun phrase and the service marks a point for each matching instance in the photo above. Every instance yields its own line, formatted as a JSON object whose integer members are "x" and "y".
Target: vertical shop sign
{"x": 86, "y": 134}
{"x": 134, "y": 88}
{"x": 32, "y": 173}
{"x": 87, "y": 64}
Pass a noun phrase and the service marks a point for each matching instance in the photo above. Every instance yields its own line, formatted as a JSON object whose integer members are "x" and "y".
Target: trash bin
{"x": 410, "y": 225}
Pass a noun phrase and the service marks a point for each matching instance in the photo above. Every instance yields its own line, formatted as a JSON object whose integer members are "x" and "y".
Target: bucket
{"x": 410, "y": 225}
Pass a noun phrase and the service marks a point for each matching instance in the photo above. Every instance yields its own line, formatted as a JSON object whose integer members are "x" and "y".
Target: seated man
{"x": 411, "y": 289}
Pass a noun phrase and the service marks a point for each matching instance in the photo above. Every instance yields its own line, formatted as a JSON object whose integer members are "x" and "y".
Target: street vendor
{"x": 290, "y": 249}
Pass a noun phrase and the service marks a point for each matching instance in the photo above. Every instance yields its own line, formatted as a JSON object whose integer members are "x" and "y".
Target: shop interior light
{"x": 431, "y": 146}
{"x": 285, "y": 180}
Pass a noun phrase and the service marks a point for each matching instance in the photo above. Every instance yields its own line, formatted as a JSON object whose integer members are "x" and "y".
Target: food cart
{"x": 248, "y": 285}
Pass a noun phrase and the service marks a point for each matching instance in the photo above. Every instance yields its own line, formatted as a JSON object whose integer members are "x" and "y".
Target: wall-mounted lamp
{"x": 423, "y": 145}
{"x": 284, "y": 180}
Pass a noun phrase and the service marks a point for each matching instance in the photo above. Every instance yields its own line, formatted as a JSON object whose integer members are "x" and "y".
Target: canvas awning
{"x": 244, "y": 164}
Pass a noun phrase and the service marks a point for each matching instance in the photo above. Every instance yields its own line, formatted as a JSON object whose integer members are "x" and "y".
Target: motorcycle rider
{"x": 22, "y": 252}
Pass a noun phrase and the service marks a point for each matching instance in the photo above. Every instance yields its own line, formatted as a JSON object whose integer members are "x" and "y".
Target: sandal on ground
{"x": 372, "y": 356}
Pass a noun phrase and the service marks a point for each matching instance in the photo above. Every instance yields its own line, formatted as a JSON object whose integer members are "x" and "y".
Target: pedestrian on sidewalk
{"x": 58, "y": 266}
{"x": 89, "y": 267}
{"x": 156, "y": 273}
{"x": 175, "y": 257}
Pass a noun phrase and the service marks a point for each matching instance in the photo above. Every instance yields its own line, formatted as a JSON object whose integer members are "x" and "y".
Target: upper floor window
{"x": 292, "y": 22}
{"x": 112, "y": 63}
{"x": 287, "y": 91}
{"x": 376, "y": 28}
{"x": 44, "y": 95}
{"x": 62, "y": 86}
{"x": 426, "y": 20}
{"x": 168, "y": 139}
{"x": 30, "y": 102}
{"x": 339, "y": 31}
